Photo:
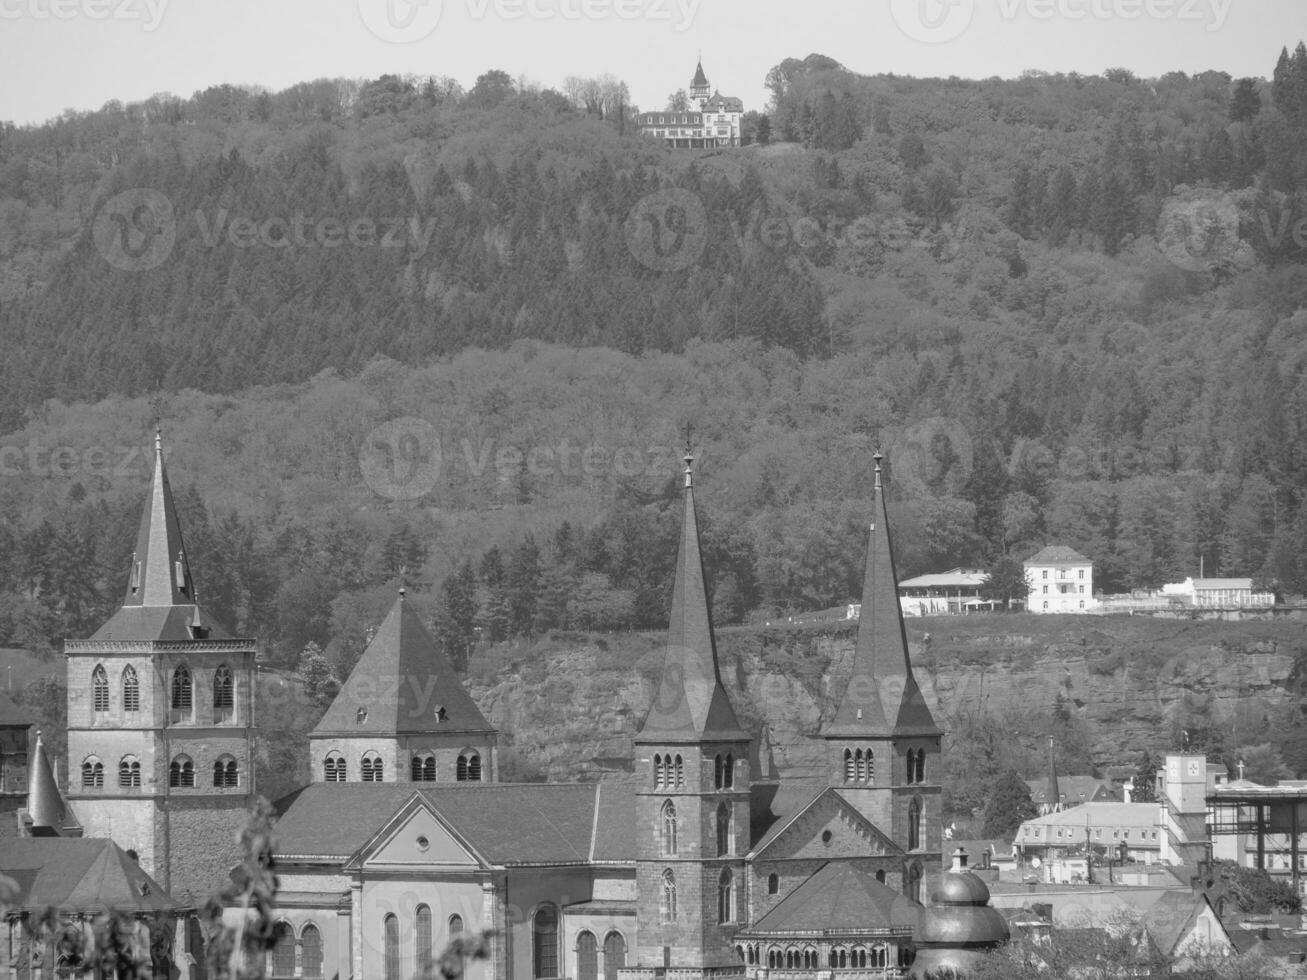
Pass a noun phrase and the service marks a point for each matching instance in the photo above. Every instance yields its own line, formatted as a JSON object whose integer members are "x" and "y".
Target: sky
{"x": 78, "y": 54}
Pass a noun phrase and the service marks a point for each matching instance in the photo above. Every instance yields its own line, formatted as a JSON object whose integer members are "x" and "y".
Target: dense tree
{"x": 1007, "y": 806}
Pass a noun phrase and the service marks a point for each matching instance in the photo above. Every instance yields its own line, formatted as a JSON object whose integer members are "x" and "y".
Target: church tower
{"x": 403, "y": 715}
{"x": 692, "y": 799}
{"x": 161, "y": 716}
{"x": 882, "y": 745}
{"x": 700, "y": 90}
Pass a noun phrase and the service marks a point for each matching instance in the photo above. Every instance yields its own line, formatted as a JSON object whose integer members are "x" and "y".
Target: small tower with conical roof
{"x": 882, "y": 744}
{"x": 48, "y": 813}
{"x": 692, "y": 799}
{"x": 700, "y": 90}
{"x": 161, "y": 716}
{"x": 403, "y": 715}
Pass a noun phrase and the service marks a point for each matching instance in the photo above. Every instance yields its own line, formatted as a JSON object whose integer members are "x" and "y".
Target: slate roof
{"x": 399, "y": 682}
{"x": 79, "y": 874}
{"x": 690, "y": 704}
{"x": 700, "y": 80}
{"x": 882, "y": 696}
{"x": 507, "y": 823}
{"x": 838, "y": 898}
{"x": 1075, "y": 789}
{"x": 792, "y": 796}
{"x": 46, "y": 805}
{"x": 1056, "y": 554}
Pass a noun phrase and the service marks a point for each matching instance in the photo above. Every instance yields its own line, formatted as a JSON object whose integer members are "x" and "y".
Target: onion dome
{"x": 959, "y": 927}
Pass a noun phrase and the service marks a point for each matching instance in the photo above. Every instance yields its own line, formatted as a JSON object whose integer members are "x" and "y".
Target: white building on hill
{"x": 1061, "y": 581}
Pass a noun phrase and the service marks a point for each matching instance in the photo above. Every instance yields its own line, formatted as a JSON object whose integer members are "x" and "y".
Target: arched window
{"x": 311, "y": 952}
{"x": 423, "y": 768}
{"x": 849, "y": 773}
{"x": 668, "y": 903}
{"x": 99, "y": 690}
{"x": 858, "y": 960}
{"x": 658, "y": 771}
{"x": 680, "y": 771}
{"x": 726, "y": 896}
{"x": 880, "y": 876}
{"x": 391, "y": 933}
{"x": 129, "y": 771}
{"x": 729, "y": 772}
{"x": 92, "y": 773}
{"x": 182, "y": 703}
{"x": 333, "y": 768}
{"x": 871, "y": 766}
{"x": 131, "y": 689}
{"x": 914, "y": 824}
{"x": 614, "y": 954}
{"x": 921, "y": 765}
{"x": 544, "y": 944}
{"x": 422, "y": 934}
{"x": 725, "y": 845}
{"x": 587, "y": 956}
{"x": 860, "y": 767}
{"x": 283, "y": 950}
{"x": 181, "y": 772}
{"x": 773, "y": 884}
{"x": 669, "y": 828}
{"x": 455, "y": 925}
{"x": 225, "y": 772}
{"x": 911, "y": 762}
{"x": 879, "y": 957}
{"x": 224, "y": 694}
{"x": 468, "y": 769}
{"x": 370, "y": 768}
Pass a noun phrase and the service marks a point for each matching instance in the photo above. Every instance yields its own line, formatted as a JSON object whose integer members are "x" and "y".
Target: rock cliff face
{"x": 570, "y": 711}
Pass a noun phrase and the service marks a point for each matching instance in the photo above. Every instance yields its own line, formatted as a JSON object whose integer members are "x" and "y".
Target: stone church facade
{"x": 705, "y": 861}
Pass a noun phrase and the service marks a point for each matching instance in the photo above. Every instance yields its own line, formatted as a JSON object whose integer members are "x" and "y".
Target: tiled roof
{"x": 508, "y": 823}
{"x": 838, "y": 897}
{"x": 954, "y": 578}
{"x": 1129, "y": 815}
{"x": 79, "y": 874}
{"x": 162, "y": 623}
{"x": 1075, "y": 789}
{"x": 1055, "y": 554}
{"x": 398, "y": 685}
{"x": 690, "y": 703}
{"x": 881, "y": 696}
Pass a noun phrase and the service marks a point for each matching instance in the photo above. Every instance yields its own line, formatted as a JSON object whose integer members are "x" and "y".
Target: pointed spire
{"x": 1054, "y": 794}
{"x": 882, "y": 697}
{"x": 160, "y": 574}
{"x": 690, "y": 703}
{"x": 46, "y": 807}
{"x": 700, "y": 80}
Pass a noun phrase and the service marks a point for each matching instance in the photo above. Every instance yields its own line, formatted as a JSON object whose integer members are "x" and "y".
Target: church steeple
{"x": 690, "y": 703}
{"x": 882, "y": 698}
{"x": 160, "y": 574}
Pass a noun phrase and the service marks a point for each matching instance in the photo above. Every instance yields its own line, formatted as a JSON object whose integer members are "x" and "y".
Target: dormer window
{"x": 361, "y": 716}
{"x": 135, "y": 582}
{"x": 441, "y": 714}
{"x": 179, "y": 568}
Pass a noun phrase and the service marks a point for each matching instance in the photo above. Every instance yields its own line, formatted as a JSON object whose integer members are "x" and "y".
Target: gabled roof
{"x": 791, "y": 796}
{"x": 507, "y": 824}
{"x": 1056, "y": 554}
{"x": 1075, "y": 789}
{"x": 882, "y": 697}
{"x": 690, "y": 704}
{"x": 160, "y": 602}
{"x": 79, "y": 874}
{"x": 816, "y": 795}
{"x": 399, "y": 684}
{"x": 838, "y": 898}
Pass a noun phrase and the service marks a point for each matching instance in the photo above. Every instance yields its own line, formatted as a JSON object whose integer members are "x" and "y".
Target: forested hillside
{"x": 1072, "y": 309}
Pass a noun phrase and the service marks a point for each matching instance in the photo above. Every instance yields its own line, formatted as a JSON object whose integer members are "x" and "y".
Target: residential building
{"x": 1061, "y": 581}
{"x": 1064, "y": 841}
{"x": 1071, "y": 791}
{"x": 1218, "y": 593}
{"x": 711, "y": 119}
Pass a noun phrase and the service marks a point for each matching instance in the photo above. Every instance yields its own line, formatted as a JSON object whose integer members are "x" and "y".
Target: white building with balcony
{"x": 1061, "y": 581}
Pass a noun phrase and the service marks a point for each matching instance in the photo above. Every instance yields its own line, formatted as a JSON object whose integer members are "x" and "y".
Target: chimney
{"x": 959, "y": 860}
